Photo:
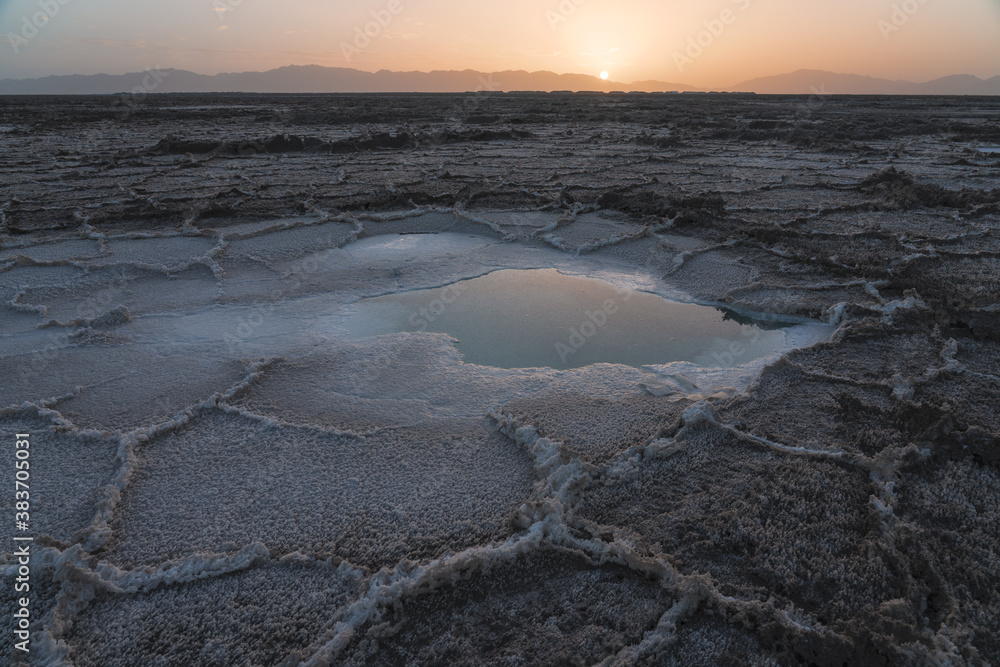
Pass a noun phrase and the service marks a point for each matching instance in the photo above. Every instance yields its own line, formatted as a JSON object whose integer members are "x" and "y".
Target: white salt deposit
{"x": 207, "y": 404}
{"x": 120, "y": 322}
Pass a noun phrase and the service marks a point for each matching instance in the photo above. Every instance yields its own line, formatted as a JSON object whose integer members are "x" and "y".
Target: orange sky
{"x": 631, "y": 39}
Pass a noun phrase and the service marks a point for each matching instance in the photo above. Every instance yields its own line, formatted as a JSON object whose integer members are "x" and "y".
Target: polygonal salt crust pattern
{"x": 140, "y": 290}
{"x": 60, "y": 251}
{"x": 597, "y": 429}
{"x": 980, "y": 356}
{"x": 972, "y": 400}
{"x": 520, "y": 225}
{"x": 591, "y": 231}
{"x": 951, "y": 536}
{"x": 927, "y": 226}
{"x": 798, "y": 301}
{"x": 401, "y": 380}
{"x": 20, "y": 278}
{"x": 711, "y": 275}
{"x": 249, "y": 281}
{"x": 260, "y": 616}
{"x": 648, "y": 253}
{"x": 277, "y": 247}
{"x": 66, "y": 475}
{"x": 42, "y": 599}
{"x": 170, "y": 253}
{"x": 776, "y": 270}
{"x": 407, "y": 493}
{"x": 706, "y": 641}
{"x": 870, "y": 254}
{"x": 961, "y": 282}
{"x": 16, "y": 321}
{"x": 548, "y": 607}
{"x": 789, "y": 194}
{"x": 757, "y": 520}
{"x": 842, "y": 415}
{"x": 123, "y": 387}
{"x": 359, "y": 386}
{"x": 877, "y": 357}
{"x": 427, "y": 223}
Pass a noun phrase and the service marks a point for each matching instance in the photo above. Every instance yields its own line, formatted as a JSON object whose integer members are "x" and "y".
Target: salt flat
{"x": 228, "y": 476}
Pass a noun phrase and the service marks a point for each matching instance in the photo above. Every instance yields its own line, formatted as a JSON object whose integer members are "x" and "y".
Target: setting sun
{"x": 604, "y": 75}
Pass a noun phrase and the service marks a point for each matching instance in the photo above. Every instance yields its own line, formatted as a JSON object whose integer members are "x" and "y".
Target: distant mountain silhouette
{"x": 317, "y": 79}
{"x": 805, "y": 82}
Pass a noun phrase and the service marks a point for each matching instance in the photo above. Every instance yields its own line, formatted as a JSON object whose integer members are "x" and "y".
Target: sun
{"x": 604, "y": 75}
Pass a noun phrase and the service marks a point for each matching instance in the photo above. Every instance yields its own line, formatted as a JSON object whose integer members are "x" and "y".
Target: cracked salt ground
{"x": 149, "y": 321}
{"x": 230, "y": 478}
{"x": 157, "y": 322}
{"x": 355, "y": 415}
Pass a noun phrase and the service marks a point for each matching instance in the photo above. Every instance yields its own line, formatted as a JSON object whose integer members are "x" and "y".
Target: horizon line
{"x": 500, "y": 71}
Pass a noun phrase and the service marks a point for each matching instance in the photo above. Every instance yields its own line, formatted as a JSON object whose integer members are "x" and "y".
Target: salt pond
{"x": 545, "y": 318}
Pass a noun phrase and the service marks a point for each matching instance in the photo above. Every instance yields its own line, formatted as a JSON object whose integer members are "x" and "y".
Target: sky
{"x": 703, "y": 43}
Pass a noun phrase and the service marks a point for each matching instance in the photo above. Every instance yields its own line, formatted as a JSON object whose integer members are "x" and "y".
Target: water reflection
{"x": 543, "y": 318}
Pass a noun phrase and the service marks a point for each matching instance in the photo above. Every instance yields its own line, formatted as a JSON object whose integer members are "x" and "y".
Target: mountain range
{"x": 804, "y": 82}
{"x": 317, "y": 79}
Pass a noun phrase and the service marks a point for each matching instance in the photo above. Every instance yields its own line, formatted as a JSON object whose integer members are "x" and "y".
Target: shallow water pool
{"x": 544, "y": 318}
